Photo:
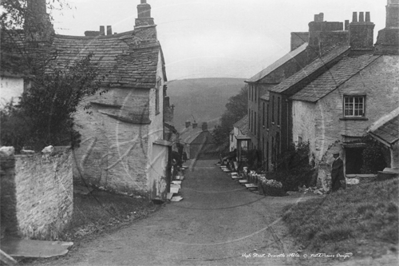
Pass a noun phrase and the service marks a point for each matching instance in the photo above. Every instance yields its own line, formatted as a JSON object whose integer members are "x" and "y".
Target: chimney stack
{"x": 188, "y": 124}
{"x": 298, "y": 38}
{"x": 388, "y": 38}
{"x": 205, "y": 126}
{"x": 109, "y": 30}
{"x": 195, "y": 124}
{"x": 102, "y": 30}
{"x": 361, "y": 17}
{"x": 37, "y": 25}
{"x": 361, "y": 32}
{"x": 392, "y": 13}
{"x": 346, "y": 25}
{"x": 323, "y": 35}
{"x": 144, "y": 15}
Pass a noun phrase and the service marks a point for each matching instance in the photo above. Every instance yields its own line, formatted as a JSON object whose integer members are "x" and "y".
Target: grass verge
{"x": 97, "y": 213}
{"x": 362, "y": 219}
{"x": 100, "y": 210}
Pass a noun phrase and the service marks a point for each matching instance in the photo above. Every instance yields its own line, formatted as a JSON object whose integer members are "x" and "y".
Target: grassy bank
{"x": 363, "y": 220}
{"x": 100, "y": 211}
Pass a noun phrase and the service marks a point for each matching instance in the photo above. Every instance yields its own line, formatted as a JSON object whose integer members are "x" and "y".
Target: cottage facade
{"x": 386, "y": 130}
{"x": 11, "y": 87}
{"x": 269, "y": 109}
{"x": 335, "y": 110}
{"x": 240, "y": 131}
{"x": 197, "y": 141}
{"x": 123, "y": 145}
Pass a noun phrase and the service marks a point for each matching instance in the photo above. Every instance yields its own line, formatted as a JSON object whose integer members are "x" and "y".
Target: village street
{"x": 219, "y": 222}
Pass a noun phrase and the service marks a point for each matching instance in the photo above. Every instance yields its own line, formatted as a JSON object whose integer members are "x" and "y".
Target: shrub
{"x": 293, "y": 168}
{"x": 45, "y": 113}
{"x": 373, "y": 156}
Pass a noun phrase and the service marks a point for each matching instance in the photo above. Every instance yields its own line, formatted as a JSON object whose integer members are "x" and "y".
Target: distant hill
{"x": 204, "y": 99}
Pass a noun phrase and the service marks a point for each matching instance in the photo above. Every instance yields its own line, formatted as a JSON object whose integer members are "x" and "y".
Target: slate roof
{"x": 387, "y": 127}
{"x": 312, "y": 70}
{"x": 242, "y": 125}
{"x": 277, "y": 64}
{"x": 128, "y": 60}
{"x": 190, "y": 134}
{"x": 346, "y": 68}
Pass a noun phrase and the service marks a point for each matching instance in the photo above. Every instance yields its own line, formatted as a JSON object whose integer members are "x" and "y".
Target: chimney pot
{"x": 144, "y": 1}
{"x": 109, "y": 30}
{"x": 102, "y": 30}
{"x": 354, "y": 17}
{"x": 361, "y": 16}
{"x": 205, "y": 126}
{"x": 319, "y": 17}
{"x": 368, "y": 17}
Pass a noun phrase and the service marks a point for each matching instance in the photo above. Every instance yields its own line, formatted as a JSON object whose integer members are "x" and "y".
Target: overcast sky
{"x": 217, "y": 38}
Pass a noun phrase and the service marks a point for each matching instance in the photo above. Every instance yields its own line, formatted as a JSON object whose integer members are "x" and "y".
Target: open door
{"x": 160, "y": 170}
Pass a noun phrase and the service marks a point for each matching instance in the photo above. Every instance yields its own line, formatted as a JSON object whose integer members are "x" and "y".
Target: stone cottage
{"x": 123, "y": 146}
{"x": 386, "y": 130}
{"x": 268, "y": 111}
{"x": 335, "y": 110}
{"x": 198, "y": 142}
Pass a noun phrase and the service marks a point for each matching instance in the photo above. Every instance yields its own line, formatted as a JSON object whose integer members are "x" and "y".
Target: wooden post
{"x": 4, "y": 257}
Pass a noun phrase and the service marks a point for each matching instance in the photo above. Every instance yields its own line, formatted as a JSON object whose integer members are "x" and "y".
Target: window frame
{"x": 353, "y": 106}
{"x": 157, "y": 98}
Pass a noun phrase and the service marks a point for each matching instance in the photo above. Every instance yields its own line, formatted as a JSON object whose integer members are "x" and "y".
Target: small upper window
{"x": 354, "y": 106}
{"x": 157, "y": 99}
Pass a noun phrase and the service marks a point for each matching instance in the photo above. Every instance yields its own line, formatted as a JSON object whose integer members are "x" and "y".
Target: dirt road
{"x": 219, "y": 222}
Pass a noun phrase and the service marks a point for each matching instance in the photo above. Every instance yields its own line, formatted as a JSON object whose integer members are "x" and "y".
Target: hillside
{"x": 204, "y": 99}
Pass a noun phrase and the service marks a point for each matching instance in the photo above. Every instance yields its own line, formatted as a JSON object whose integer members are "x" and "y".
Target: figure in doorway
{"x": 337, "y": 173}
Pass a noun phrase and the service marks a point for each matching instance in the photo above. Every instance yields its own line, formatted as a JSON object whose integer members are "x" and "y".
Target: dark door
{"x": 354, "y": 160}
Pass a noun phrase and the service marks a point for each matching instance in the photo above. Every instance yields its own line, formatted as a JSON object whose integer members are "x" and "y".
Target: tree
{"x": 26, "y": 34}
{"x": 45, "y": 112}
{"x": 237, "y": 108}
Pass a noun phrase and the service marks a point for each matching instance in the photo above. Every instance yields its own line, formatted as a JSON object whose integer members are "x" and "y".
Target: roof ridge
{"x": 277, "y": 63}
{"x": 93, "y": 37}
{"x": 297, "y": 77}
{"x": 383, "y": 120}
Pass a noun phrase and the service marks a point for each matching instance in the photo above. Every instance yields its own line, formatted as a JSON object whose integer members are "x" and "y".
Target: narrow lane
{"x": 219, "y": 222}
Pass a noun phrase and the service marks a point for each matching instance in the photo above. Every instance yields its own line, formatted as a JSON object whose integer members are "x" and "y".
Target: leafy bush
{"x": 373, "y": 156}
{"x": 293, "y": 168}
{"x": 45, "y": 112}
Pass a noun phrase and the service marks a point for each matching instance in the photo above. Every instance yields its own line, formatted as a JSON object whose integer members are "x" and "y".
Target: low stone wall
{"x": 8, "y": 220}
{"x": 43, "y": 194}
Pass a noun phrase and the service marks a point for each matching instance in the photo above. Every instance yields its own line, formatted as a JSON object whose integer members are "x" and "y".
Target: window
{"x": 157, "y": 102}
{"x": 354, "y": 106}
{"x": 267, "y": 155}
{"x": 249, "y": 118}
{"x": 272, "y": 109}
{"x": 278, "y": 110}
{"x": 255, "y": 128}
{"x": 263, "y": 113}
{"x": 250, "y": 93}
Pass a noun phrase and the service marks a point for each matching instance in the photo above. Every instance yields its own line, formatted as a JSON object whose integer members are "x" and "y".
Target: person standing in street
{"x": 337, "y": 173}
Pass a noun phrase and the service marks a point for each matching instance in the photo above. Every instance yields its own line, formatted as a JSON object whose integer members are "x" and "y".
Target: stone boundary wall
{"x": 43, "y": 203}
{"x": 8, "y": 220}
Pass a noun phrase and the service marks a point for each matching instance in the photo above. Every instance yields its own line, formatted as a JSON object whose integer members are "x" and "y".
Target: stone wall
{"x": 113, "y": 153}
{"x": 44, "y": 194}
{"x": 8, "y": 220}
